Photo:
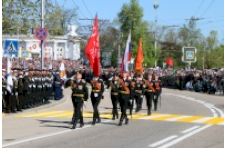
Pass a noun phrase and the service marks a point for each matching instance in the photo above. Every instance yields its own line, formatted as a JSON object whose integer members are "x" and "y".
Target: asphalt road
{"x": 184, "y": 120}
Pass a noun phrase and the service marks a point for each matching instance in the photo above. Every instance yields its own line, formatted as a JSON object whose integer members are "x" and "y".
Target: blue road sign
{"x": 11, "y": 47}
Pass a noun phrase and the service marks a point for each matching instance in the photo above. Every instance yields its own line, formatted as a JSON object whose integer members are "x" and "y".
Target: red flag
{"x": 139, "y": 58}
{"x": 169, "y": 62}
{"x": 92, "y": 49}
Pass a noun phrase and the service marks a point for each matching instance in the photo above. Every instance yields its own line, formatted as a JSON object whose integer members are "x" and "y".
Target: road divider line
{"x": 190, "y": 129}
{"x": 163, "y": 141}
{"x": 184, "y": 137}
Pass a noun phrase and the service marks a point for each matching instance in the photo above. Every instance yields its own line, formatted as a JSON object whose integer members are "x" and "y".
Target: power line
{"x": 207, "y": 8}
{"x": 79, "y": 9}
{"x": 87, "y": 8}
{"x": 199, "y": 7}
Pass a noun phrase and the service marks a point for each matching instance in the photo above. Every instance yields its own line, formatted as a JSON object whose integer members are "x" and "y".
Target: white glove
{"x": 142, "y": 96}
{"x": 85, "y": 102}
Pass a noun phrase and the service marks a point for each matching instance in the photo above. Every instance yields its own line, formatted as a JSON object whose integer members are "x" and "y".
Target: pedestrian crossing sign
{"x": 11, "y": 47}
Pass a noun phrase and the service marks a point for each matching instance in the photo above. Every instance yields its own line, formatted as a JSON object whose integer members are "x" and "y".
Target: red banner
{"x": 92, "y": 50}
{"x": 139, "y": 58}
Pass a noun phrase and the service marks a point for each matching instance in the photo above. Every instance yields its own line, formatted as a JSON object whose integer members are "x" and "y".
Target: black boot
{"x": 93, "y": 122}
{"x": 149, "y": 111}
{"x": 72, "y": 121}
{"x": 99, "y": 120}
{"x": 81, "y": 125}
{"x": 120, "y": 123}
{"x": 126, "y": 121}
{"x": 74, "y": 125}
{"x": 117, "y": 116}
{"x": 113, "y": 112}
{"x": 155, "y": 106}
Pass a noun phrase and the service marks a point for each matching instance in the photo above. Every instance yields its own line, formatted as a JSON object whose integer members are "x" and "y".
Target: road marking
{"x": 190, "y": 119}
{"x": 190, "y": 129}
{"x": 220, "y": 112}
{"x": 60, "y": 115}
{"x": 177, "y": 118}
{"x": 184, "y": 137}
{"x": 221, "y": 123}
{"x": 164, "y": 117}
{"x": 202, "y": 120}
{"x": 163, "y": 141}
{"x": 48, "y": 135}
{"x": 108, "y": 115}
{"x": 214, "y": 121}
{"x": 206, "y": 104}
{"x": 154, "y": 116}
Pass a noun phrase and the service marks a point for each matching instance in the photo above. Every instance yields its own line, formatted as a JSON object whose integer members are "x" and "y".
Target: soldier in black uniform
{"x": 115, "y": 94}
{"x": 157, "y": 84}
{"x": 96, "y": 96}
{"x": 26, "y": 89}
{"x": 20, "y": 91}
{"x": 79, "y": 95}
{"x": 138, "y": 92}
{"x": 14, "y": 93}
{"x": 149, "y": 92}
{"x": 44, "y": 87}
{"x": 124, "y": 96}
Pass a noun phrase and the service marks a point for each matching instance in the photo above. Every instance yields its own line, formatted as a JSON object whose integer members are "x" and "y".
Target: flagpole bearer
{"x": 42, "y": 25}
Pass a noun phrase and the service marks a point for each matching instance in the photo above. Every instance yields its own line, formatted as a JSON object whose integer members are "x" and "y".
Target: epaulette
{"x": 83, "y": 81}
{"x": 100, "y": 80}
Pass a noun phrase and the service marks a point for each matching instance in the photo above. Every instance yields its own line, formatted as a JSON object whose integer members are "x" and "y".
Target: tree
{"x": 130, "y": 18}
{"x": 25, "y": 15}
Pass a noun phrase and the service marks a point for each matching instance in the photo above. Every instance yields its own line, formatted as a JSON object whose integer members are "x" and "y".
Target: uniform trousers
{"x": 95, "y": 102}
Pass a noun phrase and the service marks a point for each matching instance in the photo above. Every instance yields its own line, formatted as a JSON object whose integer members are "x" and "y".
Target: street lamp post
{"x": 42, "y": 41}
{"x": 156, "y": 5}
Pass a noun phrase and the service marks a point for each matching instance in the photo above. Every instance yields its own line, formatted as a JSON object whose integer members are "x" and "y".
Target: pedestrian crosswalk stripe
{"x": 143, "y": 116}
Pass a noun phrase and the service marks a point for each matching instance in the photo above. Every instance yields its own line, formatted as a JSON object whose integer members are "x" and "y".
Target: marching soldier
{"x": 115, "y": 94}
{"x": 138, "y": 92}
{"x": 149, "y": 92}
{"x": 124, "y": 96}
{"x": 79, "y": 95}
{"x": 158, "y": 89}
{"x": 96, "y": 96}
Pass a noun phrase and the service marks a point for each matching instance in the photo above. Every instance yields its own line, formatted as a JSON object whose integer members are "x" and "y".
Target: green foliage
{"x": 24, "y": 16}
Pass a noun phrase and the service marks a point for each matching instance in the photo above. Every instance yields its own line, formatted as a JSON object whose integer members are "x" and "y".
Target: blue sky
{"x": 170, "y": 12}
